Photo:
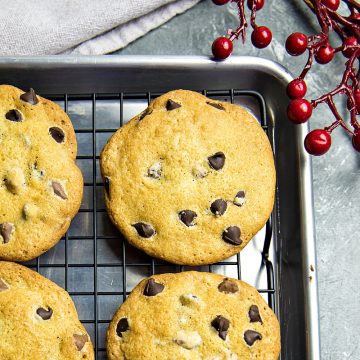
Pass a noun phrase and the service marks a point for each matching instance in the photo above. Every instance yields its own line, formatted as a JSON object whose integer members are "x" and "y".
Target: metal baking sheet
{"x": 94, "y": 263}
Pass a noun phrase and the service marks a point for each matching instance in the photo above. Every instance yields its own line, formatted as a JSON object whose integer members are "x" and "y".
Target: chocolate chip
{"x": 250, "y": 336}
{"x": 145, "y": 113}
{"x": 122, "y": 326}
{"x": 80, "y": 341}
{"x": 188, "y": 217}
{"x": 153, "y": 288}
{"x": 221, "y": 324}
{"x": 14, "y": 115}
{"x": 240, "y": 198}
{"x": 3, "y": 286}
{"x": 172, "y": 105}
{"x": 107, "y": 185}
{"x": 44, "y": 314}
{"x": 228, "y": 286}
{"x": 144, "y": 230}
{"x": 217, "y": 160}
{"x": 232, "y": 235}
{"x": 254, "y": 314}
{"x": 30, "y": 97}
{"x": 216, "y": 105}
{"x": 59, "y": 190}
{"x": 6, "y": 230}
{"x": 57, "y": 134}
{"x": 218, "y": 207}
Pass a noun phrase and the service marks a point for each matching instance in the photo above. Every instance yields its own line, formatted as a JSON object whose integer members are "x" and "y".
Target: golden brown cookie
{"x": 193, "y": 316}
{"x": 190, "y": 180}
{"x": 40, "y": 185}
{"x": 38, "y": 319}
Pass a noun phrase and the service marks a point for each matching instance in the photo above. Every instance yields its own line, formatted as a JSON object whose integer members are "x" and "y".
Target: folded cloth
{"x": 84, "y": 27}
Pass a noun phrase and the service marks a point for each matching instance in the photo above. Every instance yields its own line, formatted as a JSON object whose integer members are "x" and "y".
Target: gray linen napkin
{"x": 84, "y": 27}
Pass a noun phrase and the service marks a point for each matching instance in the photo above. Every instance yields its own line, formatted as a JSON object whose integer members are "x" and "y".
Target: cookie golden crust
{"x": 38, "y": 319}
{"x": 40, "y": 185}
{"x": 190, "y": 180}
{"x": 195, "y": 316}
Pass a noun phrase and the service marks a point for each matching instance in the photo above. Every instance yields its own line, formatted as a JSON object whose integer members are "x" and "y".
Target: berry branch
{"x": 319, "y": 48}
{"x": 241, "y": 30}
{"x": 261, "y": 36}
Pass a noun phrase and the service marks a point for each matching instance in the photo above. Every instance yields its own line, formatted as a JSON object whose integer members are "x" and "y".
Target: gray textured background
{"x": 336, "y": 181}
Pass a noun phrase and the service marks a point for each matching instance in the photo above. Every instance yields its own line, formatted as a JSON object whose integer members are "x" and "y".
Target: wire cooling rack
{"x": 92, "y": 261}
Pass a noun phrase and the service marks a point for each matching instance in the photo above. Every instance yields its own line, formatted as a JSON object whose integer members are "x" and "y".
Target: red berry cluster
{"x": 318, "y": 141}
{"x": 261, "y": 36}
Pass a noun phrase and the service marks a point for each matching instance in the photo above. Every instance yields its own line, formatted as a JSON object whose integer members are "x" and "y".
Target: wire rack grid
{"x": 92, "y": 261}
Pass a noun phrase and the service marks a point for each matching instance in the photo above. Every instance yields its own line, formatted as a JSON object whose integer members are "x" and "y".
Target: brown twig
{"x": 241, "y": 30}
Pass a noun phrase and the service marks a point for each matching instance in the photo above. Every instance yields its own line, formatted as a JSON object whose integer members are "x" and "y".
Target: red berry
{"x": 261, "y": 37}
{"x": 220, "y": 2}
{"x": 296, "y": 43}
{"x": 317, "y": 142}
{"x": 332, "y": 4}
{"x": 357, "y": 101}
{"x": 296, "y": 89}
{"x": 222, "y": 48}
{"x": 350, "y": 41}
{"x": 356, "y": 140}
{"x": 355, "y": 16}
{"x": 325, "y": 54}
{"x": 259, "y": 4}
{"x": 299, "y": 111}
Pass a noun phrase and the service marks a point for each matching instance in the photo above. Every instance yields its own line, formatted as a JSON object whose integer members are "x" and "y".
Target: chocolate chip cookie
{"x": 193, "y": 315}
{"x": 38, "y": 320}
{"x": 190, "y": 180}
{"x": 40, "y": 184}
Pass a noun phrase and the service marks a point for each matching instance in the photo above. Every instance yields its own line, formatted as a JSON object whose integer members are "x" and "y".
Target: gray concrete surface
{"x": 336, "y": 175}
